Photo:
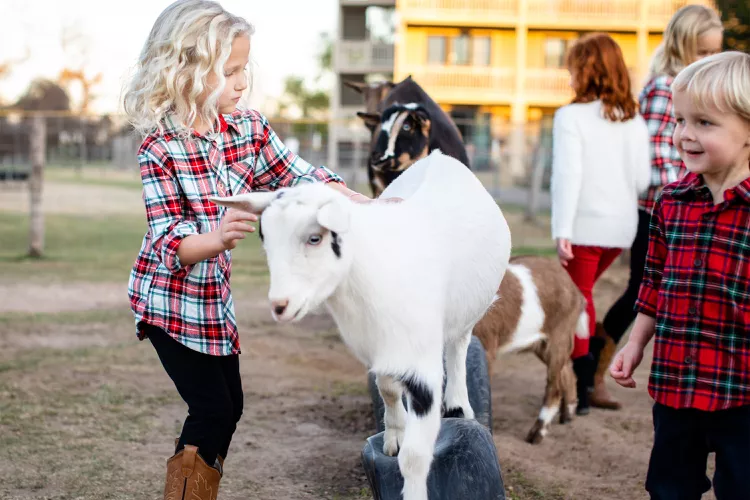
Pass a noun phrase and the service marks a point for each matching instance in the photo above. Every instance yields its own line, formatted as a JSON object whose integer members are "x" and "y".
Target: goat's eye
{"x": 314, "y": 239}
{"x": 406, "y": 127}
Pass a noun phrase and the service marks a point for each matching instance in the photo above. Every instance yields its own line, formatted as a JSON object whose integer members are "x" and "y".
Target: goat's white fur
{"x": 529, "y": 328}
{"x": 412, "y": 279}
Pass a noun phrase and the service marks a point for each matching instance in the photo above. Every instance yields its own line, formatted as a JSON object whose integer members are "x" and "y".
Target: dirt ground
{"x": 307, "y": 410}
{"x": 87, "y": 412}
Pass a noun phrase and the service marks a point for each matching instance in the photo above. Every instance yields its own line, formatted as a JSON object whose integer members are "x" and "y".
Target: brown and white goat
{"x": 539, "y": 309}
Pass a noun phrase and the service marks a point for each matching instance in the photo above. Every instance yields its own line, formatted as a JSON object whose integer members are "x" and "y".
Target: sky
{"x": 112, "y": 32}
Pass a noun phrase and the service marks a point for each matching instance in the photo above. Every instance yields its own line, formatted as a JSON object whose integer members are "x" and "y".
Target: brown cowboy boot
{"x": 219, "y": 458}
{"x": 600, "y": 397}
{"x": 188, "y": 476}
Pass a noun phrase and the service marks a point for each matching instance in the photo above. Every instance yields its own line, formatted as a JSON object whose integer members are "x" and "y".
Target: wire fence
{"x": 106, "y": 141}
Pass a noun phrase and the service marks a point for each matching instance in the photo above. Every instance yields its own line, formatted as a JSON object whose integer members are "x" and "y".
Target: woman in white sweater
{"x": 600, "y": 166}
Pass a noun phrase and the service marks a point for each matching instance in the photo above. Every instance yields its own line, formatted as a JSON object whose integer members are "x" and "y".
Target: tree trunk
{"x": 38, "y": 157}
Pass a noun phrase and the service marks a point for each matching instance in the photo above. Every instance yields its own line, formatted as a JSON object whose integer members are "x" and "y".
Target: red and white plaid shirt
{"x": 193, "y": 303}
{"x": 666, "y": 165}
{"x": 697, "y": 286}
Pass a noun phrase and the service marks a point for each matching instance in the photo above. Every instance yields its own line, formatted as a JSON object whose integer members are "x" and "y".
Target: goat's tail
{"x": 582, "y": 328}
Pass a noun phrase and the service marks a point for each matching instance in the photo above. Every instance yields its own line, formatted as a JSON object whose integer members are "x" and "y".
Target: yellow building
{"x": 502, "y": 61}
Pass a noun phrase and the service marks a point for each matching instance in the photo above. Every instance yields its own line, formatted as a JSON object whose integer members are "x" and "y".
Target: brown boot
{"x": 600, "y": 397}
{"x": 219, "y": 458}
{"x": 188, "y": 476}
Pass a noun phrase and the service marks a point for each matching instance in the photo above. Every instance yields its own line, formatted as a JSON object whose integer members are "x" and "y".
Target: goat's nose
{"x": 279, "y": 306}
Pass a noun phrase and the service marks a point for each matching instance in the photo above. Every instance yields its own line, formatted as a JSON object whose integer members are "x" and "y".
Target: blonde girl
{"x": 197, "y": 143}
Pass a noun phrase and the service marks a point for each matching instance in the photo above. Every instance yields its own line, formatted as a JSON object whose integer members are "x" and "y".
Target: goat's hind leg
{"x": 424, "y": 389}
{"x": 457, "y": 403}
{"x": 569, "y": 393}
{"x": 394, "y": 416}
{"x": 552, "y": 394}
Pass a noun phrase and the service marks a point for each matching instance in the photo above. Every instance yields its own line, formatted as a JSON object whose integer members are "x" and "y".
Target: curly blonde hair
{"x": 190, "y": 40}
{"x": 680, "y": 45}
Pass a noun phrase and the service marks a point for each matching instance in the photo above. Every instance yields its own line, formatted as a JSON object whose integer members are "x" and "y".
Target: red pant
{"x": 587, "y": 265}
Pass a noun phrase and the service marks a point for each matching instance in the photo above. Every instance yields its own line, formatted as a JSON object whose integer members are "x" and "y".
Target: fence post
{"x": 354, "y": 167}
{"x": 38, "y": 144}
{"x": 535, "y": 189}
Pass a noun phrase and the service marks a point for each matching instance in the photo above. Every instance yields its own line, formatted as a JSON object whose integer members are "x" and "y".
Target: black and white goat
{"x": 406, "y": 125}
{"x": 404, "y": 283}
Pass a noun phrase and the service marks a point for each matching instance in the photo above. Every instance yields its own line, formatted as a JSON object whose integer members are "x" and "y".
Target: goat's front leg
{"x": 456, "y": 394}
{"x": 394, "y": 416}
{"x": 424, "y": 389}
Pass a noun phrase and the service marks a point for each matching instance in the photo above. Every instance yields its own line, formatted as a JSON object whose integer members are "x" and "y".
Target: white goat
{"x": 402, "y": 281}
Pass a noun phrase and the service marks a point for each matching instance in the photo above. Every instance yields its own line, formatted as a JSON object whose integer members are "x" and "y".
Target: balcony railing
{"x": 488, "y": 86}
{"x": 547, "y": 87}
{"x": 459, "y": 11}
{"x": 363, "y": 56}
{"x": 367, "y": 2}
{"x": 582, "y": 12}
{"x": 466, "y": 84}
{"x": 543, "y": 13}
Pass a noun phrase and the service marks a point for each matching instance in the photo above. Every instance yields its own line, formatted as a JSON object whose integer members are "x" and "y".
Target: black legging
{"x": 212, "y": 389}
{"x": 621, "y": 314}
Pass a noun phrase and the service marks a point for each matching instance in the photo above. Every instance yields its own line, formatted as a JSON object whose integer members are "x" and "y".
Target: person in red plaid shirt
{"x": 695, "y": 296}
{"x": 694, "y": 32}
{"x": 198, "y": 144}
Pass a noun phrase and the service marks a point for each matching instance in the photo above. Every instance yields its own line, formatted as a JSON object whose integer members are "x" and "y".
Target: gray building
{"x": 363, "y": 51}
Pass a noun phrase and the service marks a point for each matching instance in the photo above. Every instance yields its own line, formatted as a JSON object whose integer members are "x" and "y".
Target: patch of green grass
{"x": 355, "y": 495}
{"x": 82, "y": 358}
{"x": 14, "y": 320}
{"x": 93, "y": 175}
{"x": 519, "y": 487}
{"x": 541, "y": 251}
{"x": 97, "y": 249}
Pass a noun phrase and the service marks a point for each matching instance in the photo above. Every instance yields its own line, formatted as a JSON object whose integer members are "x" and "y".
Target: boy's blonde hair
{"x": 721, "y": 80}
{"x": 680, "y": 45}
{"x": 189, "y": 40}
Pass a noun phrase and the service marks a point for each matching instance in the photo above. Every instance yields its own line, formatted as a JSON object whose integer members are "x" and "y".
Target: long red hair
{"x": 598, "y": 69}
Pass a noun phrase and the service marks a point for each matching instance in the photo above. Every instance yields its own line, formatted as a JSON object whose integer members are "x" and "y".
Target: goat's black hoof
{"x": 477, "y": 383}
{"x": 453, "y": 413}
{"x": 465, "y": 465}
{"x": 536, "y": 434}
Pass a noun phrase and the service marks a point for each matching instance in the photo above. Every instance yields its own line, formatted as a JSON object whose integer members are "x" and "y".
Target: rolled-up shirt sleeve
{"x": 166, "y": 221}
{"x": 278, "y": 167}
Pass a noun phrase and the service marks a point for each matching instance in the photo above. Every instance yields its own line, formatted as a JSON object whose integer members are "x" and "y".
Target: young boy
{"x": 695, "y": 295}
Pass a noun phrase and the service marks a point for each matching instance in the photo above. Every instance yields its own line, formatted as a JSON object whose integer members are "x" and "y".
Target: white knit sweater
{"x": 598, "y": 169}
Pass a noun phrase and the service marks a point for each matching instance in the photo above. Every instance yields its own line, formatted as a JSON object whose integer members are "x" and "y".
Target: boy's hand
{"x": 625, "y": 363}
{"x": 233, "y": 227}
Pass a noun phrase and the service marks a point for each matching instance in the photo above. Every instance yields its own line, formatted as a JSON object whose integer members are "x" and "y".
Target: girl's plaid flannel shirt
{"x": 666, "y": 165}
{"x": 193, "y": 303}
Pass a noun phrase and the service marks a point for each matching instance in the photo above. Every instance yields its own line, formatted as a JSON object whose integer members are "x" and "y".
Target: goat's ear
{"x": 371, "y": 120}
{"x": 249, "y": 202}
{"x": 421, "y": 114}
{"x": 423, "y": 118}
{"x": 334, "y": 216}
